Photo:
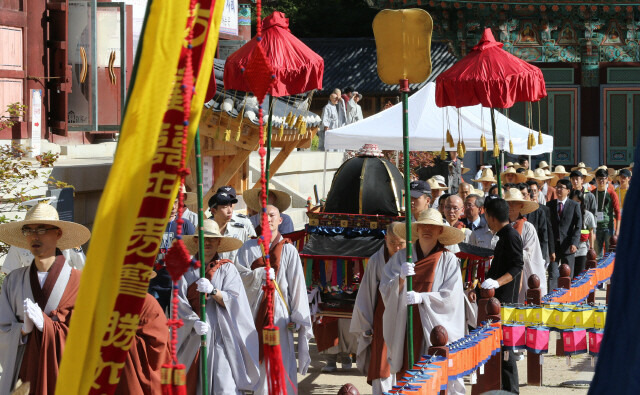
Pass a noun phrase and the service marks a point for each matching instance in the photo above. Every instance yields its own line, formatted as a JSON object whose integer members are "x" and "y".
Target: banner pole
{"x": 203, "y": 300}
{"x": 404, "y": 91}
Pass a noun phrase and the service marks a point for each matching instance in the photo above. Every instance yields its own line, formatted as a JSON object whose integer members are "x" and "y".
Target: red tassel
{"x": 167, "y": 373}
{"x": 177, "y": 260}
{"x": 273, "y": 361}
{"x": 179, "y": 380}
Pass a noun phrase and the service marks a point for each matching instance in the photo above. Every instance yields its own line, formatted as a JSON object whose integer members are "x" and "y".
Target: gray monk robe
{"x": 439, "y": 283}
{"x": 232, "y": 343}
{"x": 367, "y": 316}
{"x": 293, "y": 309}
{"x": 35, "y": 357}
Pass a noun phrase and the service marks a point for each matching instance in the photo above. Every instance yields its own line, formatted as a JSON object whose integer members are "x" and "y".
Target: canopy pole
{"x": 203, "y": 300}
{"x": 324, "y": 176}
{"x": 404, "y": 91}
{"x": 268, "y": 160}
{"x": 497, "y": 158}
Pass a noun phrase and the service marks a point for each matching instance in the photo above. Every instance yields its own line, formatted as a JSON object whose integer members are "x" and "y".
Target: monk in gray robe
{"x": 232, "y": 340}
{"x": 367, "y": 317}
{"x": 291, "y": 305}
{"x": 437, "y": 297}
{"x": 36, "y": 301}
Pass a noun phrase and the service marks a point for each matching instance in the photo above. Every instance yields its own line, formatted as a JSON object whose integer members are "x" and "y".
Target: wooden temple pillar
{"x": 534, "y": 364}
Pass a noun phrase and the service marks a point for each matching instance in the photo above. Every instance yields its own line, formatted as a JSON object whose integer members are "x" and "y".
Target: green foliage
{"x": 15, "y": 110}
{"x": 19, "y": 179}
{"x": 324, "y": 18}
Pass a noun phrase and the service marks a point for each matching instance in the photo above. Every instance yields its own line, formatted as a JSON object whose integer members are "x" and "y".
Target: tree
{"x": 324, "y": 18}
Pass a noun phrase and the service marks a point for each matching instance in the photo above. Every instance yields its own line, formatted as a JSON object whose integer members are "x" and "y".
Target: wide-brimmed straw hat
{"x": 514, "y": 195}
{"x": 435, "y": 185}
{"x": 252, "y": 199}
{"x": 610, "y": 172}
{"x": 540, "y": 176}
{"x": 465, "y": 170}
{"x": 430, "y": 216}
{"x": 529, "y": 174}
{"x": 520, "y": 177}
{"x": 560, "y": 171}
{"x": 581, "y": 165}
{"x": 543, "y": 165}
{"x": 73, "y": 234}
{"x": 190, "y": 198}
{"x": 212, "y": 231}
{"x": 487, "y": 175}
{"x": 585, "y": 176}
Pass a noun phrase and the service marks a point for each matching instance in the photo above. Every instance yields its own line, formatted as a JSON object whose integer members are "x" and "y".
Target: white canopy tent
{"x": 428, "y": 125}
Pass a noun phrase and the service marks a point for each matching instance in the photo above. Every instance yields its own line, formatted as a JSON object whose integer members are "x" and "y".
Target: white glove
{"x": 27, "y": 325}
{"x": 271, "y": 274}
{"x": 408, "y": 269}
{"x": 413, "y": 298}
{"x": 35, "y": 314}
{"x": 201, "y": 328}
{"x": 490, "y": 284}
{"x": 204, "y": 285}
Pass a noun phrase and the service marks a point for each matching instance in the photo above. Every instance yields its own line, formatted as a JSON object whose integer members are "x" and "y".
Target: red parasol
{"x": 492, "y": 77}
{"x": 296, "y": 67}
{"x": 489, "y": 76}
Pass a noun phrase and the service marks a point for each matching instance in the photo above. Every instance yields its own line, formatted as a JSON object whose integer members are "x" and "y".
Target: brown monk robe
{"x": 43, "y": 351}
{"x": 261, "y": 319}
{"x": 150, "y": 350}
{"x": 422, "y": 282}
{"x": 193, "y": 374}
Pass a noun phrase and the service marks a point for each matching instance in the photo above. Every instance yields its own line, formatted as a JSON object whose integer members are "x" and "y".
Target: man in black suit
{"x": 566, "y": 222}
{"x": 540, "y": 219}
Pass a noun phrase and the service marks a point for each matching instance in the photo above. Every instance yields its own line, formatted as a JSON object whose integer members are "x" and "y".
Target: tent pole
{"x": 203, "y": 300}
{"x": 324, "y": 176}
{"x": 404, "y": 91}
{"x": 268, "y": 159}
{"x": 497, "y": 158}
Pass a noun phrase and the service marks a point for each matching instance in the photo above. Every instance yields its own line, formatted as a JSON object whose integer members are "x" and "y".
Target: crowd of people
{"x": 544, "y": 218}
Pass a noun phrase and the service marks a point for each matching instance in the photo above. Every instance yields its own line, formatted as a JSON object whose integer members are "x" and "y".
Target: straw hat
{"x": 520, "y": 177}
{"x": 465, "y": 170}
{"x": 449, "y": 235}
{"x": 190, "y": 198}
{"x": 435, "y": 185}
{"x": 514, "y": 195}
{"x": 73, "y": 234}
{"x": 543, "y": 165}
{"x": 611, "y": 172}
{"x": 581, "y": 165}
{"x": 540, "y": 175}
{"x": 252, "y": 199}
{"x": 586, "y": 176}
{"x": 487, "y": 175}
{"x": 530, "y": 174}
{"x": 212, "y": 230}
{"x": 560, "y": 171}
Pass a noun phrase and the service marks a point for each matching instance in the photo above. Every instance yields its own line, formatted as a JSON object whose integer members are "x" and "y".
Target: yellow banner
{"x": 122, "y": 224}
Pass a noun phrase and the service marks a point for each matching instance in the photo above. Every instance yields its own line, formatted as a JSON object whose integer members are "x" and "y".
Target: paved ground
{"x": 558, "y": 377}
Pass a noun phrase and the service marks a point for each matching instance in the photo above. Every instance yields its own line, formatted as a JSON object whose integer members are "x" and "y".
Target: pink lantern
{"x": 575, "y": 341}
{"x": 537, "y": 339}
{"x": 595, "y": 339}
{"x": 513, "y": 336}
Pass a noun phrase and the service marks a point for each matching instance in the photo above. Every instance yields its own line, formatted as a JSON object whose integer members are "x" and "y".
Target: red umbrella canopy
{"x": 490, "y": 76}
{"x": 296, "y": 67}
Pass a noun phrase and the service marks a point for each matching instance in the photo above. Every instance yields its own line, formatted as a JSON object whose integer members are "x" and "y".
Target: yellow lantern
{"x": 403, "y": 45}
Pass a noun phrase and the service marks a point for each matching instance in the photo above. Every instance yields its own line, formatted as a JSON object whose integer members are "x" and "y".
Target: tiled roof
{"x": 352, "y": 62}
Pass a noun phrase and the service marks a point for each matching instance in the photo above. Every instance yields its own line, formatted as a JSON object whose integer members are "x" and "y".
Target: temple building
{"x": 588, "y": 54}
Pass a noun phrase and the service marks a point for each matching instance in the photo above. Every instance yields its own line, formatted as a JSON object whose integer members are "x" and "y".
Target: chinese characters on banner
{"x": 230, "y": 18}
